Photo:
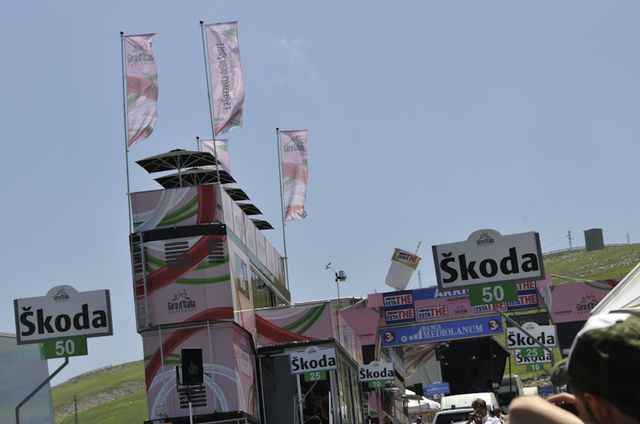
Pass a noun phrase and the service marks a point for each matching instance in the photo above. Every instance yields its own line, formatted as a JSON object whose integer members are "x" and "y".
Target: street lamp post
{"x": 340, "y": 276}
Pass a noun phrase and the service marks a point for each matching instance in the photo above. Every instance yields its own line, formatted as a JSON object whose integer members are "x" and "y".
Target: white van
{"x": 465, "y": 400}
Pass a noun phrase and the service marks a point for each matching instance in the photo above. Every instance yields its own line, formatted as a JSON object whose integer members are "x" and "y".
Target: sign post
{"x": 62, "y": 320}
{"x": 488, "y": 257}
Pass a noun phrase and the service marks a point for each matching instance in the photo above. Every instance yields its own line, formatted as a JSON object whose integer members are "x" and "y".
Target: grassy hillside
{"x": 116, "y": 394}
{"x": 108, "y": 395}
{"x": 612, "y": 262}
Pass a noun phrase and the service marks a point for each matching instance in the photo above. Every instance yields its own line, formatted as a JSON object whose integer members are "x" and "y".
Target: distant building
{"x": 22, "y": 371}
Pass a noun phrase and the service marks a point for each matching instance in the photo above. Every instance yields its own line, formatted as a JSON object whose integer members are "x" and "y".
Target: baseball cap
{"x": 605, "y": 359}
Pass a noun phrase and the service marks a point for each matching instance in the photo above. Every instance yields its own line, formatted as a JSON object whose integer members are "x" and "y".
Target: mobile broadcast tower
{"x": 201, "y": 266}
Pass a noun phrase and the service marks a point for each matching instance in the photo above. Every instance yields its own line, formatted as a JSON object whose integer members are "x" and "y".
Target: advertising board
{"x": 313, "y": 359}
{"x": 409, "y": 334}
{"x": 63, "y": 312}
{"x": 376, "y": 371}
{"x": 488, "y": 257}
{"x": 543, "y": 334}
{"x": 430, "y": 303}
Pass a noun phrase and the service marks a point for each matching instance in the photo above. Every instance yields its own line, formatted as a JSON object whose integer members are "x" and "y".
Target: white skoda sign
{"x": 376, "y": 371}
{"x": 544, "y": 334}
{"x": 313, "y": 359}
{"x": 63, "y": 312}
{"x": 488, "y": 257}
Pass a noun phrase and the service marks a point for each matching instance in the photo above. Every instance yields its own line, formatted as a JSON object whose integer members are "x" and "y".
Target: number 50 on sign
{"x": 493, "y": 293}
{"x": 60, "y": 348}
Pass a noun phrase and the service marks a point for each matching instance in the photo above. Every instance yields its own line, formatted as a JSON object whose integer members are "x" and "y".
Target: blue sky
{"x": 427, "y": 121}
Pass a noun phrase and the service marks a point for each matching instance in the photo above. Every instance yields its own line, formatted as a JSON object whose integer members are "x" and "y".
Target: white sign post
{"x": 63, "y": 312}
{"x": 488, "y": 257}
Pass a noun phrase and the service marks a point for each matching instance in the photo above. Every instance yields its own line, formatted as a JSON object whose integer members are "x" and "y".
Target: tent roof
{"x": 236, "y": 193}
{"x": 196, "y": 176}
{"x": 262, "y": 224}
{"x": 625, "y": 295}
{"x": 249, "y": 209}
{"x": 177, "y": 159}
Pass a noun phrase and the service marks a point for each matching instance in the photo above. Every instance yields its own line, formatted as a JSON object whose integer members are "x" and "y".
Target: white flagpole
{"x": 284, "y": 237}
{"x": 126, "y": 130}
{"x": 213, "y": 125}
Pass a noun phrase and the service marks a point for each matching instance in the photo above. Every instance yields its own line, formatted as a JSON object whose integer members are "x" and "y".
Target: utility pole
{"x": 75, "y": 408}
{"x": 570, "y": 245}
{"x": 628, "y": 240}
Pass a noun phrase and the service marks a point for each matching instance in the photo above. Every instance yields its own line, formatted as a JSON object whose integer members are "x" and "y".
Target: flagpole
{"x": 213, "y": 125}
{"x": 284, "y": 237}
{"x": 126, "y": 131}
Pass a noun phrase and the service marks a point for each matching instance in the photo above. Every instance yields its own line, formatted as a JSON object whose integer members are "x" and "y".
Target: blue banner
{"x": 440, "y": 331}
{"x": 435, "y": 388}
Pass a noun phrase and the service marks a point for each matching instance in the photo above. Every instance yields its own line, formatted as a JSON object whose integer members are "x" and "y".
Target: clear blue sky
{"x": 427, "y": 121}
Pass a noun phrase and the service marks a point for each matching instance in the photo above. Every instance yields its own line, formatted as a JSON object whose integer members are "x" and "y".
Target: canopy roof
{"x": 177, "y": 159}
{"x": 262, "y": 224}
{"x": 236, "y": 193}
{"x": 196, "y": 176}
{"x": 249, "y": 209}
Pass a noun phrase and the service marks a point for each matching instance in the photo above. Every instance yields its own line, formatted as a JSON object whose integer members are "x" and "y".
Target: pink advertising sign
{"x": 434, "y": 304}
{"x": 573, "y": 302}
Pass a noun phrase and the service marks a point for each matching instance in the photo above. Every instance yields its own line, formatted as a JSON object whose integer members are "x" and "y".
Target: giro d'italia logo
{"x": 181, "y": 302}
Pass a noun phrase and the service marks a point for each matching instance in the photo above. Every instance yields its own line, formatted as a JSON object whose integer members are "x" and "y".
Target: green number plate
{"x": 532, "y": 352}
{"x": 315, "y": 376}
{"x": 375, "y": 384}
{"x": 493, "y": 293}
{"x": 59, "y": 348}
{"x": 534, "y": 367}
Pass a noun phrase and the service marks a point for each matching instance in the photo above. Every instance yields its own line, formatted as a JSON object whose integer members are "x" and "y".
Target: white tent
{"x": 419, "y": 405}
{"x": 625, "y": 295}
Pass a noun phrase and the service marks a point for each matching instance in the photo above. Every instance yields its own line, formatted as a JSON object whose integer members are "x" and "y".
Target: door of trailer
{"x": 309, "y": 385}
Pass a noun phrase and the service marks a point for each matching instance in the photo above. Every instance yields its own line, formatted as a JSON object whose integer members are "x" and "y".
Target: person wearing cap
{"x": 603, "y": 372}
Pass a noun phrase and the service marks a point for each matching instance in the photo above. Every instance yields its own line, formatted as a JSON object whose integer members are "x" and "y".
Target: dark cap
{"x": 605, "y": 359}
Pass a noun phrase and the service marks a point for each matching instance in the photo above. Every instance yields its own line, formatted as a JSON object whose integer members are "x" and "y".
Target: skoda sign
{"x": 488, "y": 257}
{"x": 376, "y": 371}
{"x": 62, "y": 313}
{"x": 313, "y": 359}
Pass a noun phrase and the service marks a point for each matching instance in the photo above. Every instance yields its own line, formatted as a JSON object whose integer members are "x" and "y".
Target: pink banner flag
{"x": 221, "y": 152}
{"x": 223, "y": 56}
{"x": 142, "y": 87}
{"x": 293, "y": 154}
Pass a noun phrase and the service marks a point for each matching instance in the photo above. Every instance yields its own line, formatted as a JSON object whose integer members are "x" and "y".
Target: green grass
{"x": 612, "y": 262}
{"x": 90, "y": 385}
{"x": 129, "y": 409}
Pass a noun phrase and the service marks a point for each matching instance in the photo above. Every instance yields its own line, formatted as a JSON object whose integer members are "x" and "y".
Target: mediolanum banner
{"x": 63, "y": 312}
{"x": 488, "y": 257}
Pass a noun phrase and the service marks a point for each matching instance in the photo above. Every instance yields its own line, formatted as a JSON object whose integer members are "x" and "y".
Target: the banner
{"x": 293, "y": 154}
{"x": 142, "y": 87}
{"x": 221, "y": 152}
{"x": 223, "y": 57}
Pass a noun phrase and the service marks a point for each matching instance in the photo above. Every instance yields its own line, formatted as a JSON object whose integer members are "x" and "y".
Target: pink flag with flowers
{"x": 221, "y": 152}
{"x": 293, "y": 155}
{"x": 223, "y": 57}
{"x": 142, "y": 87}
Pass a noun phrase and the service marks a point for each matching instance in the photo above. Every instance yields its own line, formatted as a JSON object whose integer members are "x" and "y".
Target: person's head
{"x": 603, "y": 368}
{"x": 315, "y": 420}
{"x": 480, "y": 406}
